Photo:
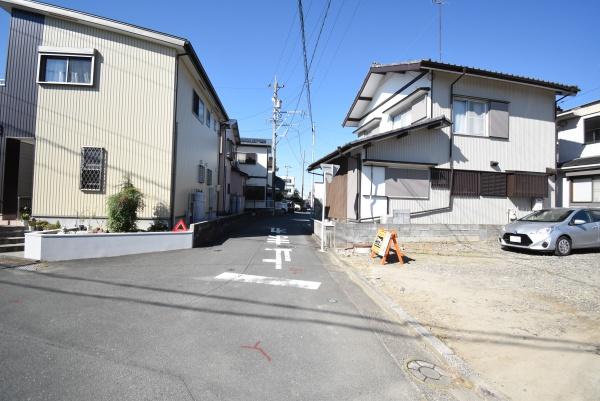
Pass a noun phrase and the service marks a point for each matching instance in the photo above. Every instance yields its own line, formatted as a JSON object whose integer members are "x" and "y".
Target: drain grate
{"x": 427, "y": 372}
{"x": 28, "y": 268}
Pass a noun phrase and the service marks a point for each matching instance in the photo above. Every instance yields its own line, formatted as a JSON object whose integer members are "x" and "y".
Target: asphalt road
{"x": 164, "y": 327}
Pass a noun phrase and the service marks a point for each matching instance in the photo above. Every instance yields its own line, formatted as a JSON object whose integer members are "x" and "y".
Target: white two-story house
{"x": 446, "y": 144}
{"x": 88, "y": 101}
{"x": 255, "y": 160}
{"x": 579, "y": 155}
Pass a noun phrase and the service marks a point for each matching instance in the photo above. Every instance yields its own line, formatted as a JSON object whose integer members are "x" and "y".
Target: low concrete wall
{"x": 348, "y": 235}
{"x": 55, "y": 247}
{"x": 216, "y": 231}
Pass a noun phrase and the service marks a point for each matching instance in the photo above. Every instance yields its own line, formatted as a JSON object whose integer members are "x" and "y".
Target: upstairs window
{"x": 246, "y": 158}
{"x": 58, "y": 67}
{"x": 208, "y": 118}
{"x": 198, "y": 107}
{"x": 470, "y": 117}
{"x": 592, "y": 130}
{"x": 402, "y": 119}
{"x": 208, "y": 177}
{"x": 92, "y": 169}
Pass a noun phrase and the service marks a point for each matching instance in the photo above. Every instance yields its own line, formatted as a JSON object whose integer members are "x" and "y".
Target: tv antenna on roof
{"x": 439, "y": 4}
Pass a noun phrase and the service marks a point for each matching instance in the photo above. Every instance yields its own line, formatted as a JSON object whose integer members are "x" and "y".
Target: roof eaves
{"x": 430, "y": 123}
{"x": 91, "y": 19}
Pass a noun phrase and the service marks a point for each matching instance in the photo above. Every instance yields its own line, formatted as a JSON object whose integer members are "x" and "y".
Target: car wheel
{"x": 563, "y": 246}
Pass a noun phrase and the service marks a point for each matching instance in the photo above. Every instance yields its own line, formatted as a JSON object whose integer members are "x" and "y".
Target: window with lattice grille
{"x": 208, "y": 177}
{"x": 92, "y": 169}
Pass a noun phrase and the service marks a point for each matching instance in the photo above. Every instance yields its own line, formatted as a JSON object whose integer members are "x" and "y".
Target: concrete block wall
{"x": 348, "y": 234}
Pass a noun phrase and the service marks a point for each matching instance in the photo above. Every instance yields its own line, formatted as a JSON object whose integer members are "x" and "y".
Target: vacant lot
{"x": 530, "y": 324}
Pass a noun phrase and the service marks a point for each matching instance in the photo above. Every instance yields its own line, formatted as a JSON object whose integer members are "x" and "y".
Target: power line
{"x": 306, "y": 80}
{"x": 320, "y": 32}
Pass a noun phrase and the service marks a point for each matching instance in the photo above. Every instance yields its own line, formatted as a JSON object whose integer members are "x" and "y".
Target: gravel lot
{"x": 529, "y": 323}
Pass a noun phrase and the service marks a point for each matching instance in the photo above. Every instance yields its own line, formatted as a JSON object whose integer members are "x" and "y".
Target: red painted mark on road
{"x": 16, "y": 301}
{"x": 259, "y": 349}
{"x": 296, "y": 270}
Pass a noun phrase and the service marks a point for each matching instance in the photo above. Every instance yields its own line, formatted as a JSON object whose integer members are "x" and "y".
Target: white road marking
{"x": 278, "y": 239}
{"x": 277, "y": 260}
{"x": 277, "y": 230}
{"x": 282, "y": 282}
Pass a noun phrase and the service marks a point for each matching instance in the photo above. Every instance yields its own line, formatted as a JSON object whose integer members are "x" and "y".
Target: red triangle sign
{"x": 180, "y": 226}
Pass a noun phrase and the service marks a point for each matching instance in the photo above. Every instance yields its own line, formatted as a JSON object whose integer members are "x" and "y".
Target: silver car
{"x": 554, "y": 230}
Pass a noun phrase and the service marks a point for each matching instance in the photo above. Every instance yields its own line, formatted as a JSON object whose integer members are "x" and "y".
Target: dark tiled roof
{"x": 583, "y": 161}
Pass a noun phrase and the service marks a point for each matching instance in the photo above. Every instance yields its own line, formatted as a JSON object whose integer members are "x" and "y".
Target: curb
{"x": 481, "y": 388}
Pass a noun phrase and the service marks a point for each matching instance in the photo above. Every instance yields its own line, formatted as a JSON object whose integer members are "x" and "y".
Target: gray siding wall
{"x": 18, "y": 97}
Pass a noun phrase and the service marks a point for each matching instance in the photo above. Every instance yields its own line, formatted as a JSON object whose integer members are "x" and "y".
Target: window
{"x": 407, "y": 183}
{"x": 402, "y": 119}
{"x": 66, "y": 69}
{"x": 195, "y": 103}
{"x": 208, "y": 177}
{"x": 582, "y": 215}
{"x": 527, "y": 185}
{"x": 230, "y": 149}
{"x": 465, "y": 183}
{"x": 270, "y": 163}
{"x": 586, "y": 189}
{"x": 201, "y": 174}
{"x": 493, "y": 184}
{"x": 92, "y": 169}
{"x": 470, "y": 117}
{"x": 198, "y": 107}
{"x": 215, "y": 125}
{"x": 254, "y": 193}
{"x": 440, "y": 178}
{"x": 208, "y": 119}
{"x": 592, "y": 130}
{"x": 246, "y": 158}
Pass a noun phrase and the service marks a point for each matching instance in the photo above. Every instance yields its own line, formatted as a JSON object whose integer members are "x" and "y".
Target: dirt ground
{"x": 528, "y": 323}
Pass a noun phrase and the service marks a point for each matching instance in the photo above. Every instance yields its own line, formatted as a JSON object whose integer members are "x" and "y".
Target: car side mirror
{"x": 578, "y": 222}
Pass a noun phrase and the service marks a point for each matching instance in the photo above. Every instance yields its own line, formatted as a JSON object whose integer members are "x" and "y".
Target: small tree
{"x": 123, "y": 207}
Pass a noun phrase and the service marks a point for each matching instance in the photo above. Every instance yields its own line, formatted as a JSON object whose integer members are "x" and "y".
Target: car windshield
{"x": 548, "y": 216}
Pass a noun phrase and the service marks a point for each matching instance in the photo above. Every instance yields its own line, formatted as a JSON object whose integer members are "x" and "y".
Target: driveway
{"x": 237, "y": 321}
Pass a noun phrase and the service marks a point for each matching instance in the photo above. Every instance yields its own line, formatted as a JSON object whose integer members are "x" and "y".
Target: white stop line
{"x": 281, "y": 282}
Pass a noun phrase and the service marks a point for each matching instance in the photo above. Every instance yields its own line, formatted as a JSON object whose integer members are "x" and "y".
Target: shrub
{"x": 123, "y": 208}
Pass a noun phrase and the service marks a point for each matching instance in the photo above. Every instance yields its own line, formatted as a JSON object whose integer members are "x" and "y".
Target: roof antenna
{"x": 439, "y": 4}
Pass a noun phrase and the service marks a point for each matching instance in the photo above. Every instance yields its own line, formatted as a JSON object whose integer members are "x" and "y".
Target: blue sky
{"x": 243, "y": 44}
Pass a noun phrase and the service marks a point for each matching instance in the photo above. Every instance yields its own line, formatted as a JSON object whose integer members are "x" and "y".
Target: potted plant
{"x": 25, "y": 216}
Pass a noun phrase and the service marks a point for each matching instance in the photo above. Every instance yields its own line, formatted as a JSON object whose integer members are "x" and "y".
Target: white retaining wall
{"x": 55, "y": 247}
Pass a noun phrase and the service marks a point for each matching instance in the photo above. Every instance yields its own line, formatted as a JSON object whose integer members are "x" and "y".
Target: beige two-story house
{"x": 446, "y": 144}
{"x": 88, "y": 101}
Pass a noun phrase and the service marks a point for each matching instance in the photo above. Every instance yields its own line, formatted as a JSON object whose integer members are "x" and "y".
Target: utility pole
{"x": 439, "y": 4}
{"x": 276, "y": 121}
{"x": 287, "y": 170}
{"x": 303, "y": 164}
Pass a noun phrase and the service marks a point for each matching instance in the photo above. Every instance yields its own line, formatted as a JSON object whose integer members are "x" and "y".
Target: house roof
{"x": 378, "y": 71}
{"x": 592, "y": 161}
{"x": 255, "y": 142}
{"x": 183, "y": 46}
{"x": 430, "y": 123}
{"x": 579, "y": 111}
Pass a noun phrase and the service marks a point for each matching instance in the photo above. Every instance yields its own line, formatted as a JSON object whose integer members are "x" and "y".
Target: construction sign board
{"x": 180, "y": 226}
{"x": 382, "y": 246}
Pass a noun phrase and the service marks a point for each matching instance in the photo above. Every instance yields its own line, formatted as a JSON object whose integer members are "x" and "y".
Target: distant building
{"x": 448, "y": 144}
{"x": 254, "y": 159}
{"x": 579, "y": 155}
{"x": 290, "y": 185}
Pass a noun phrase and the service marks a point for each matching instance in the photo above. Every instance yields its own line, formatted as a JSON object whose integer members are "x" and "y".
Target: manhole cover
{"x": 427, "y": 372}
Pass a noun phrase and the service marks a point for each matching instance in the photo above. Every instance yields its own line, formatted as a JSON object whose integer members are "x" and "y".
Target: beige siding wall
{"x": 531, "y": 142}
{"x": 465, "y": 210}
{"x": 196, "y": 144}
{"x": 129, "y": 112}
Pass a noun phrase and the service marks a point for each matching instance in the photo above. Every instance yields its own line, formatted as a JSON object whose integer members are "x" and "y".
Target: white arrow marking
{"x": 282, "y": 282}
{"x": 278, "y": 239}
{"x": 277, "y": 260}
{"x": 277, "y": 230}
